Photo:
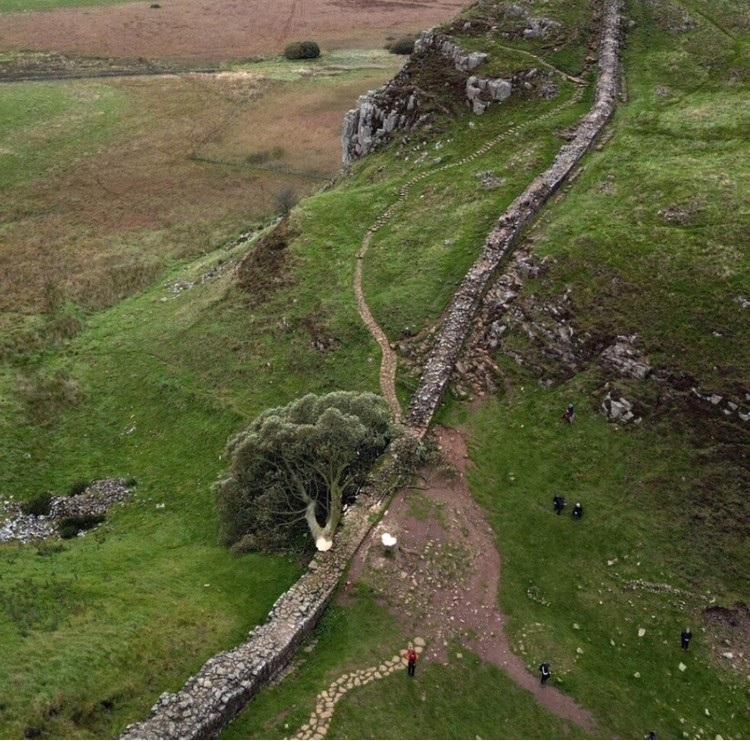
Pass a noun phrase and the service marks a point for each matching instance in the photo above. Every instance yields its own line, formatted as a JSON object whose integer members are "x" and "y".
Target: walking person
{"x": 685, "y": 638}
{"x": 577, "y": 512}
{"x": 570, "y": 414}
{"x": 545, "y": 672}
{"x": 411, "y": 661}
{"x": 558, "y": 503}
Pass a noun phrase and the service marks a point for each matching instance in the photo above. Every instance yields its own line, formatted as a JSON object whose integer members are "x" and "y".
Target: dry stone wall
{"x": 467, "y": 299}
{"x": 223, "y": 686}
{"x": 226, "y": 682}
{"x": 399, "y": 105}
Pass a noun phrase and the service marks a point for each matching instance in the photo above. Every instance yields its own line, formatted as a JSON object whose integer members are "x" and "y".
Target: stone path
{"x": 325, "y": 703}
{"x": 389, "y": 359}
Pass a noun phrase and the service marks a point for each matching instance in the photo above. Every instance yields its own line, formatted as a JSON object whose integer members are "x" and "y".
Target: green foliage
{"x": 403, "y": 45}
{"x": 78, "y": 487}
{"x": 39, "y": 505}
{"x": 310, "y": 452}
{"x": 69, "y": 527}
{"x": 302, "y": 50}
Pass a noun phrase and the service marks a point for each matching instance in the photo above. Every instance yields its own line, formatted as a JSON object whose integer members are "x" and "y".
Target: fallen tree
{"x": 296, "y": 466}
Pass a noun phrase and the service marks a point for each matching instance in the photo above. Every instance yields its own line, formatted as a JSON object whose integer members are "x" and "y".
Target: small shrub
{"x": 302, "y": 50}
{"x": 286, "y": 200}
{"x": 69, "y": 527}
{"x": 78, "y": 487}
{"x": 131, "y": 482}
{"x": 39, "y": 505}
{"x": 403, "y": 45}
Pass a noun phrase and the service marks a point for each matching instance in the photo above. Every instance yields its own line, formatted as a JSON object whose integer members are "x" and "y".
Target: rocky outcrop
{"x": 223, "y": 686}
{"x": 401, "y": 105}
{"x": 464, "y": 61}
{"x": 504, "y": 237}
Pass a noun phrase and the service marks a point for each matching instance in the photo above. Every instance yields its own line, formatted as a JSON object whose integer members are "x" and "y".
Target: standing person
{"x": 545, "y": 671}
{"x": 686, "y": 637}
{"x": 577, "y": 512}
{"x": 411, "y": 661}
{"x": 570, "y": 414}
{"x": 558, "y": 503}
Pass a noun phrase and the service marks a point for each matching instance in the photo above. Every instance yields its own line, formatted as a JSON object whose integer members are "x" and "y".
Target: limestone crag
{"x": 400, "y": 104}
{"x": 464, "y": 61}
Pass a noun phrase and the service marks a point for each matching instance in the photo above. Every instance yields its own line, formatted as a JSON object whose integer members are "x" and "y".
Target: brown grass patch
{"x": 192, "y": 162}
{"x": 193, "y": 29}
{"x": 264, "y": 270}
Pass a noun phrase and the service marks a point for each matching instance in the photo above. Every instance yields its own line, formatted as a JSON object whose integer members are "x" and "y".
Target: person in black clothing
{"x": 651, "y": 735}
{"x": 570, "y": 414}
{"x": 577, "y": 512}
{"x": 558, "y": 503}
{"x": 545, "y": 671}
{"x": 686, "y": 638}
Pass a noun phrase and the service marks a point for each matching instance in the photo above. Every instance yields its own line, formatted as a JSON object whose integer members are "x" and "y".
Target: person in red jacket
{"x": 411, "y": 659}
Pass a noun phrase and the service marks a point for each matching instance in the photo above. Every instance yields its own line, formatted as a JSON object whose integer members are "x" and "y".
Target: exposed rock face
{"x": 618, "y": 409}
{"x": 462, "y": 60}
{"x": 481, "y": 92}
{"x": 468, "y": 297}
{"x": 623, "y": 357}
{"x": 400, "y": 104}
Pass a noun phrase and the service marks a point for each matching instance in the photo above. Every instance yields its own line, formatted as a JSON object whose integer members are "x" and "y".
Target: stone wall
{"x": 523, "y": 210}
{"x": 399, "y": 105}
{"x": 223, "y": 686}
{"x": 226, "y": 682}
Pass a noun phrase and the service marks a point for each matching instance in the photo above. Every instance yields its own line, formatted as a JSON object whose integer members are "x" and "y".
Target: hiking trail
{"x": 443, "y": 581}
{"x": 389, "y": 359}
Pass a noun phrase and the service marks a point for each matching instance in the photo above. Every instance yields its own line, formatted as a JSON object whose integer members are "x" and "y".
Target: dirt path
{"x": 389, "y": 360}
{"x": 444, "y": 578}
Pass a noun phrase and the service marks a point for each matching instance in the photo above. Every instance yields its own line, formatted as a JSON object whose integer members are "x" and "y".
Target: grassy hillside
{"x": 152, "y": 386}
{"x": 664, "y": 500}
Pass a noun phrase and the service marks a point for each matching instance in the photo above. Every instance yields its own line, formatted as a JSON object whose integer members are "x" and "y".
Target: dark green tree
{"x": 296, "y": 465}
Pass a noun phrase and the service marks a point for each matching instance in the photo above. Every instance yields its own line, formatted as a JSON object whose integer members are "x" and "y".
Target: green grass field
{"x": 152, "y": 386}
{"x": 661, "y": 499}
{"x": 30, "y": 6}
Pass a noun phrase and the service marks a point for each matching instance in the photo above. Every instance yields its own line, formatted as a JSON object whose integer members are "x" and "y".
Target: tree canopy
{"x": 296, "y": 466}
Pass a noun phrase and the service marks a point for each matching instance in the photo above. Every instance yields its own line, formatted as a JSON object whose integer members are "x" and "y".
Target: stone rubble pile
{"x": 96, "y": 500}
{"x": 738, "y": 408}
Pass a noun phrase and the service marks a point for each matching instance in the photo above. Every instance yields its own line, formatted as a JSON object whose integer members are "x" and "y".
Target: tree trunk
{"x": 323, "y": 536}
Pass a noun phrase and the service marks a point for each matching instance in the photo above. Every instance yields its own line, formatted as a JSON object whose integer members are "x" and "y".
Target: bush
{"x": 286, "y": 200}
{"x": 404, "y": 45}
{"x": 69, "y": 527}
{"x": 38, "y": 506}
{"x": 302, "y": 50}
{"x": 78, "y": 487}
